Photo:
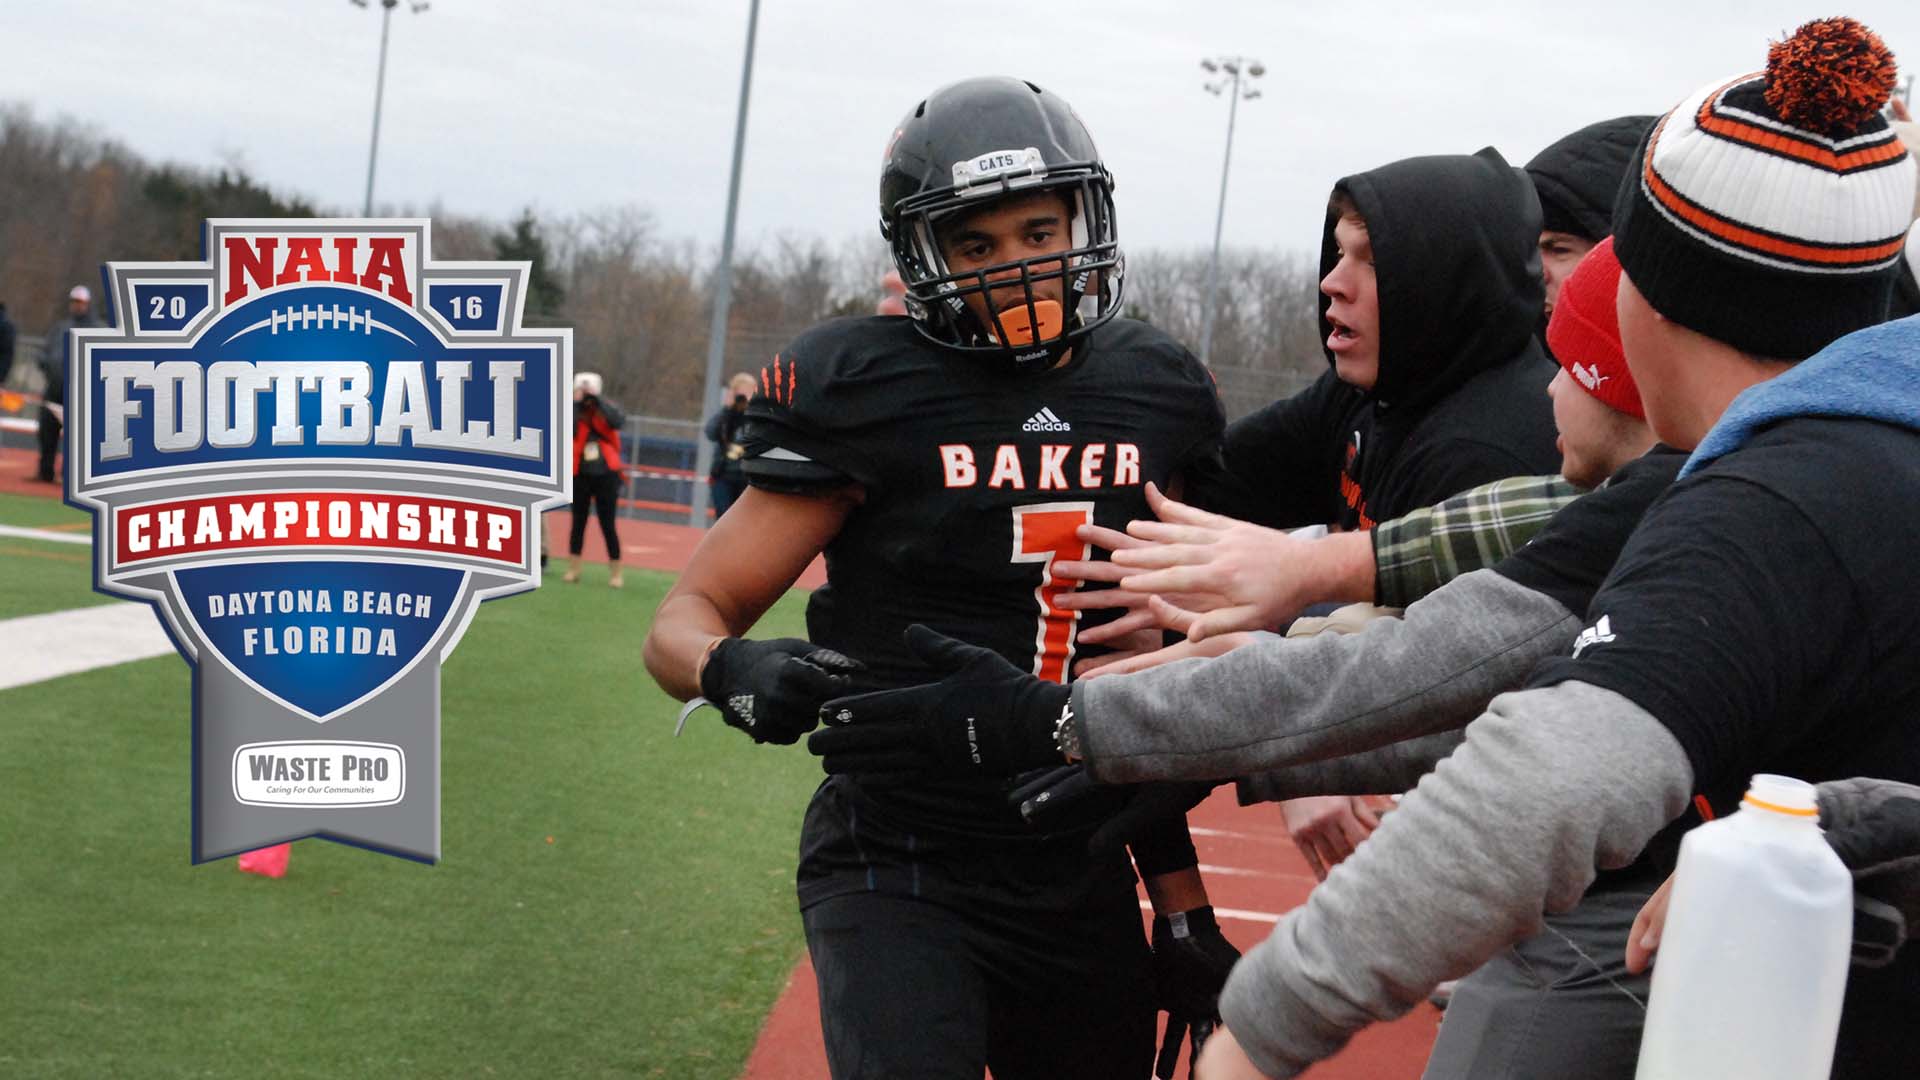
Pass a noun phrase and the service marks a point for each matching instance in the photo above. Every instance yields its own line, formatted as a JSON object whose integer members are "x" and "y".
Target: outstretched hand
{"x": 1223, "y": 1059}
{"x": 983, "y": 717}
{"x": 1261, "y": 576}
{"x": 1327, "y": 828}
{"x": 1135, "y": 614}
{"x": 1069, "y": 797}
{"x": 1128, "y": 663}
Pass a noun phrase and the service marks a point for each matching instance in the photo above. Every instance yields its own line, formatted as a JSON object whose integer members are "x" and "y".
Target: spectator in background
{"x": 55, "y": 355}
{"x": 893, "y": 295}
{"x": 597, "y": 473}
{"x": 7, "y": 337}
{"x": 1576, "y": 179}
{"x": 723, "y": 431}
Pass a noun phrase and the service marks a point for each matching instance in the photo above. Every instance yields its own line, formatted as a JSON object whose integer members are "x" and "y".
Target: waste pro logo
{"x": 315, "y": 453}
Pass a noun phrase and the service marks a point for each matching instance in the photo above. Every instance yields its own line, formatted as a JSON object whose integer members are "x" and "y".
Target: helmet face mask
{"x": 975, "y": 146}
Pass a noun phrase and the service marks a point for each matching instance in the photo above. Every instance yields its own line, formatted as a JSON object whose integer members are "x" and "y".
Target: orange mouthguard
{"x": 1022, "y": 331}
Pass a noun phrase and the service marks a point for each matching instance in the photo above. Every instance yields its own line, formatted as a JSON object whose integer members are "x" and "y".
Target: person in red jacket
{"x": 597, "y": 472}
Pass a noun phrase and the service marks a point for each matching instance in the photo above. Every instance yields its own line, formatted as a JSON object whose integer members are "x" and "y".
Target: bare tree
{"x": 1266, "y": 331}
{"x": 638, "y": 300}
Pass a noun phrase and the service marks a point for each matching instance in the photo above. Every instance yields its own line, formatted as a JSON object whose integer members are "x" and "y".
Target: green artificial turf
{"x": 30, "y": 512}
{"x": 38, "y": 576}
{"x": 611, "y": 901}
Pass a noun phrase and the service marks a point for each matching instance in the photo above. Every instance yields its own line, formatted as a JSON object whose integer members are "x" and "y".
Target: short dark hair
{"x": 1340, "y": 205}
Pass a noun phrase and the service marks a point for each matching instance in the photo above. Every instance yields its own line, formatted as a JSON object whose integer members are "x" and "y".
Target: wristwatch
{"x": 1066, "y": 735}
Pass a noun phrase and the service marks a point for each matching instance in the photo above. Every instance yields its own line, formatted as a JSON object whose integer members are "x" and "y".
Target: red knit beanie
{"x": 1584, "y": 333}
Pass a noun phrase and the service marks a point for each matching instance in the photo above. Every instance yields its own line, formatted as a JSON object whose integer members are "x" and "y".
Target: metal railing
{"x": 660, "y": 453}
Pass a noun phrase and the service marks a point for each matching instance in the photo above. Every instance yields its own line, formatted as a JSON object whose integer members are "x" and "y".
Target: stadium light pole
{"x": 380, "y": 88}
{"x": 723, "y": 283}
{"x": 1235, "y": 68}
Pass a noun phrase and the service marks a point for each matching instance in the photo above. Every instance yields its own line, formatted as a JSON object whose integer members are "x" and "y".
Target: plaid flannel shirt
{"x": 1416, "y": 554}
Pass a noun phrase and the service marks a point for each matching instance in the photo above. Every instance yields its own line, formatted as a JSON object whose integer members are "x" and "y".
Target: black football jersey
{"x": 975, "y": 478}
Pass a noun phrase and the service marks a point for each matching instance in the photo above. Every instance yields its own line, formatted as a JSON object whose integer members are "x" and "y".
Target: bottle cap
{"x": 1781, "y": 795}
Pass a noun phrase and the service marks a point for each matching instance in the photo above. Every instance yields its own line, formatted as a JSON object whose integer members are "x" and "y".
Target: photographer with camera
{"x": 597, "y": 472}
{"x": 723, "y": 430}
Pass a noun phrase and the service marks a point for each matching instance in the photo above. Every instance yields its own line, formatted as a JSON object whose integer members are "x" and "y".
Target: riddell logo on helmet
{"x": 1044, "y": 420}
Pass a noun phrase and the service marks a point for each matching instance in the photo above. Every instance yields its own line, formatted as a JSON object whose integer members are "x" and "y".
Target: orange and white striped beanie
{"x": 1769, "y": 211}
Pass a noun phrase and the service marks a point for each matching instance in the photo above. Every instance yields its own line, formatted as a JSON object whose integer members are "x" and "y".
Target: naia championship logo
{"x": 315, "y": 453}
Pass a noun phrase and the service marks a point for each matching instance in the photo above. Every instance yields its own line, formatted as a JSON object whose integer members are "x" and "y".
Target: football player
{"x": 942, "y": 462}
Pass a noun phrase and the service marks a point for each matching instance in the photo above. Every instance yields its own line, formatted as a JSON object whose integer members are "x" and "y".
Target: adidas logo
{"x": 1589, "y": 378}
{"x": 1044, "y": 420}
{"x": 742, "y": 705}
{"x": 1598, "y": 634}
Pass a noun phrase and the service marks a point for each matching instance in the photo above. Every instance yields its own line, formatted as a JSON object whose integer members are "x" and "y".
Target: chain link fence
{"x": 660, "y": 453}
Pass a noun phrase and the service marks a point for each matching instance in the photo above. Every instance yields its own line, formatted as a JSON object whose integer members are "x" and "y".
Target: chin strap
{"x": 1042, "y": 335}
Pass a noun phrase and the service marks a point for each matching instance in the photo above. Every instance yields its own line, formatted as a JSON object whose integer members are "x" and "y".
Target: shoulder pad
{"x": 823, "y": 408}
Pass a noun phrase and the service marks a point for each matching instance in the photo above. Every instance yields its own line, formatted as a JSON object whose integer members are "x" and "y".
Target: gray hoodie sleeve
{"x": 1550, "y": 784}
{"x": 1386, "y": 770}
{"x": 1281, "y": 701}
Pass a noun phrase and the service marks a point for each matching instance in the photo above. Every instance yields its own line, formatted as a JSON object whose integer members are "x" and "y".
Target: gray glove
{"x": 1874, "y": 826}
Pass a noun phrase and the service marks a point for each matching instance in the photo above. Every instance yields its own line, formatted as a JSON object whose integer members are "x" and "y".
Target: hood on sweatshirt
{"x": 1456, "y": 268}
{"x": 1578, "y": 176}
{"x": 1871, "y": 374}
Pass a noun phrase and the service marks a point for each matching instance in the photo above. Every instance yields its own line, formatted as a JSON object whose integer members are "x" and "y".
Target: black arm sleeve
{"x": 1163, "y": 848}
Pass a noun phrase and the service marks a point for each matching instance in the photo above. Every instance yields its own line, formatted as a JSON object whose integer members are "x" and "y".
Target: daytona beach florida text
{"x": 319, "y": 639}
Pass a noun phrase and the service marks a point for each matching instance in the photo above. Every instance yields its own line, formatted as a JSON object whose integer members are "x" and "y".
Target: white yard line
{"x": 15, "y": 531}
{"x": 34, "y": 648}
{"x": 1266, "y": 837}
{"x": 1210, "y": 870}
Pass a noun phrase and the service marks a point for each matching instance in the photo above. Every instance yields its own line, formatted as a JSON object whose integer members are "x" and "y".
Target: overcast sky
{"x": 576, "y": 105}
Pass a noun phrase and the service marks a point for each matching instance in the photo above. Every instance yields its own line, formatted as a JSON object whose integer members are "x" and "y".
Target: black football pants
{"x": 986, "y": 967}
{"x": 599, "y": 494}
{"x": 49, "y": 434}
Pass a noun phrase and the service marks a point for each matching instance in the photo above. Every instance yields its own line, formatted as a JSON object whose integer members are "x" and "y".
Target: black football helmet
{"x": 965, "y": 146}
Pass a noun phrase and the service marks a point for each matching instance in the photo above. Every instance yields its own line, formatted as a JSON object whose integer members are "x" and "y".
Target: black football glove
{"x": 1882, "y": 848}
{"x": 1068, "y": 796}
{"x": 1151, "y": 806}
{"x": 772, "y": 689}
{"x": 986, "y": 717}
{"x": 1049, "y": 798}
{"x": 1191, "y": 961}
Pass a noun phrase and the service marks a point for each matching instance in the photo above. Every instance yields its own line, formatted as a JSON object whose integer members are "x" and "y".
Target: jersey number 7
{"x": 1043, "y": 532}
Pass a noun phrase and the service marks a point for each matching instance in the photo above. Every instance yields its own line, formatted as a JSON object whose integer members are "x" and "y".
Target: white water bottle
{"x": 1752, "y": 966}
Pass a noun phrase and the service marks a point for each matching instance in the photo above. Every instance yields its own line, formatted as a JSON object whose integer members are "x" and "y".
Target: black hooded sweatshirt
{"x": 1578, "y": 176}
{"x": 1461, "y": 395}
